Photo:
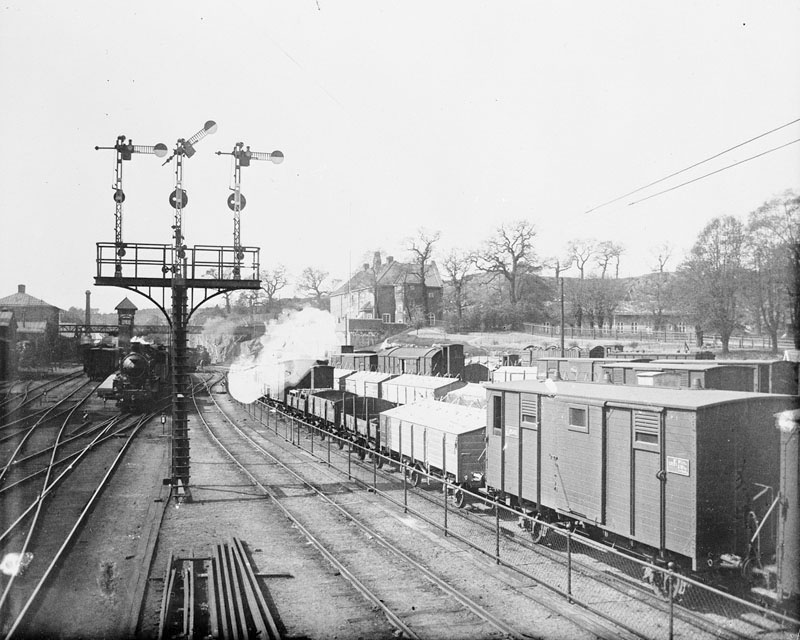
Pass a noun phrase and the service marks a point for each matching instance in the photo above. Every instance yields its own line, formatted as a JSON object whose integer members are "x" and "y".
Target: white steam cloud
{"x": 283, "y": 355}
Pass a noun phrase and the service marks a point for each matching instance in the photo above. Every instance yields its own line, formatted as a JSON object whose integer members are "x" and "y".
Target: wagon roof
{"x": 451, "y": 418}
{"x": 411, "y": 352}
{"x": 425, "y": 382}
{"x": 341, "y": 373}
{"x": 663, "y": 365}
{"x": 371, "y": 376}
{"x": 517, "y": 369}
{"x": 631, "y": 394}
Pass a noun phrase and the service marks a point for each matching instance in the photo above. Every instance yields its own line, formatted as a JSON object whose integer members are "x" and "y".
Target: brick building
{"x": 36, "y": 320}
{"x": 392, "y": 292}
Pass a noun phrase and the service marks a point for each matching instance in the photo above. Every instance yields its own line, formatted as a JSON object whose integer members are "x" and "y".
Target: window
{"x": 634, "y": 326}
{"x": 431, "y": 319}
{"x": 646, "y": 429}
{"x": 579, "y": 419}
{"x": 497, "y": 415}
{"x": 387, "y": 318}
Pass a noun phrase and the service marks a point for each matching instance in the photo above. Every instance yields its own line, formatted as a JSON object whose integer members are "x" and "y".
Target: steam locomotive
{"x": 142, "y": 377}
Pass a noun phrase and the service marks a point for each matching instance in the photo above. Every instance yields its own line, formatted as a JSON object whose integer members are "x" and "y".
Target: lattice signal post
{"x": 190, "y": 276}
{"x": 237, "y": 201}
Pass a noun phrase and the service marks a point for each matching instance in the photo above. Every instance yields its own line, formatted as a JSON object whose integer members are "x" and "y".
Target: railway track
{"x": 52, "y": 520}
{"x": 375, "y": 559}
{"x": 607, "y": 590}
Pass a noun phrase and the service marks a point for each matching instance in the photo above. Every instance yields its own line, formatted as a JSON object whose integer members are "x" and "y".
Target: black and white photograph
{"x": 380, "y": 320}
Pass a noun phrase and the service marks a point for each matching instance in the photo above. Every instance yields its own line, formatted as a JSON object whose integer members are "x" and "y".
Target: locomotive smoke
{"x": 283, "y": 355}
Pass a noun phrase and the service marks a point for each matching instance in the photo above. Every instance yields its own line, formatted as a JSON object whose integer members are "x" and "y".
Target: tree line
{"x": 739, "y": 275}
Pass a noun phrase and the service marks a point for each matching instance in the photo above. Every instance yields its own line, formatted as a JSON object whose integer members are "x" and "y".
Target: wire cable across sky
{"x": 697, "y": 164}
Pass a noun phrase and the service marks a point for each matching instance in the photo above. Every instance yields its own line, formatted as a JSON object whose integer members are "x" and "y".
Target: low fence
{"x": 648, "y": 600}
{"x": 609, "y": 334}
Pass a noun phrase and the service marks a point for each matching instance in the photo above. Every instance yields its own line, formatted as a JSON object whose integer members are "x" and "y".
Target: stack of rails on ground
{"x": 674, "y": 475}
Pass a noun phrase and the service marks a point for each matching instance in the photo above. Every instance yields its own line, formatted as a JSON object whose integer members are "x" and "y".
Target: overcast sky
{"x": 454, "y": 116}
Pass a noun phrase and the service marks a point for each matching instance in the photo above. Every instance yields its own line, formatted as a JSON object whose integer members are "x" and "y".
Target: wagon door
{"x": 648, "y": 479}
{"x": 511, "y": 444}
{"x": 529, "y": 449}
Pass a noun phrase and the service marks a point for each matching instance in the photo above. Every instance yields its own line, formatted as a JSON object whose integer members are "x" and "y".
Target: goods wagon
{"x": 443, "y": 360}
{"x": 355, "y": 360}
{"x": 505, "y": 374}
{"x": 440, "y": 438}
{"x": 672, "y": 474}
{"x": 408, "y": 388}
{"x": 769, "y": 376}
{"x": 367, "y": 383}
{"x": 684, "y": 375}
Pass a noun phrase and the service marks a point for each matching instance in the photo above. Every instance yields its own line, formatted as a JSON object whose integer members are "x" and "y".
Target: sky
{"x": 451, "y": 116}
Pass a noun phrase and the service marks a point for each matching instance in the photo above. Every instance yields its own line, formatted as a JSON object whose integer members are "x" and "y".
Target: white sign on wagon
{"x": 678, "y": 466}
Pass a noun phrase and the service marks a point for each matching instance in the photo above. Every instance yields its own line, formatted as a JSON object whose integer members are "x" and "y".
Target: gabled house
{"x": 391, "y": 292}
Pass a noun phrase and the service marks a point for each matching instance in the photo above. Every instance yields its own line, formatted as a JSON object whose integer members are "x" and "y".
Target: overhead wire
{"x": 697, "y": 164}
{"x": 683, "y": 184}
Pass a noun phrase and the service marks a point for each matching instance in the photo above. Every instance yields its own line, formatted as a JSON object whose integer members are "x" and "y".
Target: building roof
{"x": 390, "y": 274}
{"x": 126, "y": 305}
{"x": 592, "y": 392}
{"x": 22, "y": 299}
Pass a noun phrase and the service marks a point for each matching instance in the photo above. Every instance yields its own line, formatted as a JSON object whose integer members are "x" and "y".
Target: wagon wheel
{"x": 659, "y": 582}
{"x": 378, "y": 459}
{"x": 340, "y": 441}
{"x": 539, "y": 530}
{"x": 361, "y": 449}
{"x": 459, "y": 497}
{"x": 413, "y": 476}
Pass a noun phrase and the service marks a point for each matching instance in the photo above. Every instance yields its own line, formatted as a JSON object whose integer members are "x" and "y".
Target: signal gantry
{"x": 125, "y": 151}
{"x": 236, "y": 201}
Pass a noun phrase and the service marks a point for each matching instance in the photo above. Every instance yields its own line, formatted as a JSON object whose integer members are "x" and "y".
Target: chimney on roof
{"x": 20, "y": 288}
{"x": 366, "y": 266}
{"x": 376, "y": 260}
{"x": 389, "y": 259}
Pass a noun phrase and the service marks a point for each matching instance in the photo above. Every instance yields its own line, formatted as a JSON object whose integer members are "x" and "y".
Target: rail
{"x": 674, "y": 601}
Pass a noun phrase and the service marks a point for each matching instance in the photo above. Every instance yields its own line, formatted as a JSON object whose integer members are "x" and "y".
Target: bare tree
{"x": 312, "y": 283}
{"x": 662, "y": 254}
{"x": 421, "y": 249}
{"x": 509, "y": 253}
{"x": 273, "y": 281}
{"x": 581, "y": 251}
{"x": 222, "y": 274}
{"x": 456, "y": 267}
{"x": 606, "y": 253}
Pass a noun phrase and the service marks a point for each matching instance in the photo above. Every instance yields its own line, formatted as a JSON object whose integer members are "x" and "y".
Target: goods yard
{"x": 409, "y": 517}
